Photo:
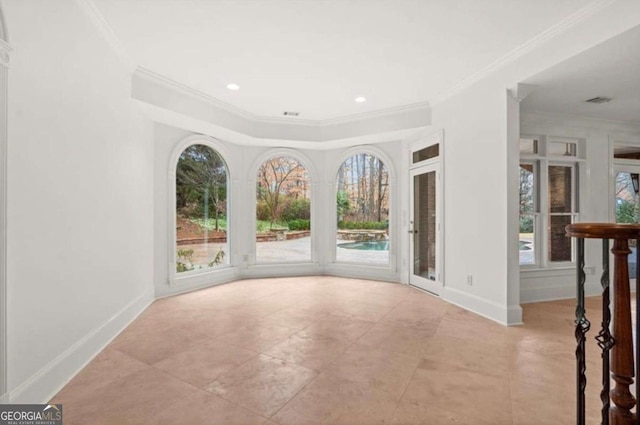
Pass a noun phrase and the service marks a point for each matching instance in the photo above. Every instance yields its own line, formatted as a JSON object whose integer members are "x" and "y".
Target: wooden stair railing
{"x": 616, "y": 346}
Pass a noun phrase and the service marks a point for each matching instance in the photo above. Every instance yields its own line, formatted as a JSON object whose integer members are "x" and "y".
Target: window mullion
{"x": 543, "y": 235}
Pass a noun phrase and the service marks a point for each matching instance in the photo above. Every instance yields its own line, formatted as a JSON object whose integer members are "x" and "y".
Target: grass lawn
{"x": 261, "y": 226}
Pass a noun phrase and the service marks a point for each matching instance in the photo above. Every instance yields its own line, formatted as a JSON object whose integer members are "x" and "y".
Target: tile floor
{"x": 327, "y": 350}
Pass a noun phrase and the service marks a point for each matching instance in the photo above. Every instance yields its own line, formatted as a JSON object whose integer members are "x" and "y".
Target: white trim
{"x": 176, "y": 119}
{"x": 550, "y": 33}
{"x": 429, "y": 139}
{"x": 394, "y": 207}
{"x": 218, "y": 146}
{"x": 514, "y": 315}
{"x": 535, "y": 293}
{"x": 100, "y": 23}
{"x": 182, "y": 284}
{"x": 152, "y": 76}
{"x": 426, "y": 167}
{"x": 149, "y": 75}
{"x": 537, "y": 119}
{"x": 313, "y": 200}
{"x": 45, "y": 383}
{"x": 481, "y": 306}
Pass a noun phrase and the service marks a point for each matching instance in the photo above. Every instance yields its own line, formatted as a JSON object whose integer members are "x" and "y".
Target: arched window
{"x": 201, "y": 210}
{"x": 283, "y": 211}
{"x": 362, "y": 204}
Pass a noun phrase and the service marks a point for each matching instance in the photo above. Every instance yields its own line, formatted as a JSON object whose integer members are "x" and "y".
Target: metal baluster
{"x": 604, "y": 338}
{"x": 582, "y": 327}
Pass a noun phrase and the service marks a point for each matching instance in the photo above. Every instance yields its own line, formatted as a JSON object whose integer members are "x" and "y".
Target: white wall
{"x": 80, "y": 197}
{"x": 479, "y": 122}
{"x": 475, "y": 198}
{"x": 243, "y": 162}
{"x": 596, "y": 195}
{"x": 5, "y": 58}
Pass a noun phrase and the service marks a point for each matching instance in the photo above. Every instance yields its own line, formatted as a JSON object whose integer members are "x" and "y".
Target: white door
{"x": 425, "y": 229}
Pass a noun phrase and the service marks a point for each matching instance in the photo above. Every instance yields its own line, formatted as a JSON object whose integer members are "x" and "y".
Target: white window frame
{"x": 176, "y": 278}
{"x": 253, "y": 173}
{"x": 393, "y": 198}
{"x": 542, "y": 215}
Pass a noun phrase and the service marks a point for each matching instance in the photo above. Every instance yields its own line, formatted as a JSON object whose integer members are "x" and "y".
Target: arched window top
{"x": 214, "y": 144}
{"x": 365, "y": 150}
{"x": 283, "y": 210}
{"x": 284, "y": 153}
{"x": 201, "y": 183}
{"x": 362, "y": 210}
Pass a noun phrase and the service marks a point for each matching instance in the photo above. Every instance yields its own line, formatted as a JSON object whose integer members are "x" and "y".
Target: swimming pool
{"x": 366, "y": 245}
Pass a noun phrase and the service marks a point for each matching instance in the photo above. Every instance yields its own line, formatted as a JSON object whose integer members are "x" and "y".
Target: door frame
{"x": 435, "y": 138}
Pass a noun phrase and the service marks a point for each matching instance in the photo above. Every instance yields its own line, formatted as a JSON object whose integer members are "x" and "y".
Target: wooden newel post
{"x": 620, "y": 341}
{"x": 622, "y": 351}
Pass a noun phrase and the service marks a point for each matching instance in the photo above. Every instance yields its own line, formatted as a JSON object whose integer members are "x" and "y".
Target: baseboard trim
{"x": 514, "y": 315}
{"x": 533, "y": 294}
{"x": 49, "y": 380}
{"x": 481, "y": 306}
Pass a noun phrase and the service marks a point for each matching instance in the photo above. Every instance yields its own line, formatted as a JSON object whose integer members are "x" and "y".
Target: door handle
{"x": 413, "y": 232}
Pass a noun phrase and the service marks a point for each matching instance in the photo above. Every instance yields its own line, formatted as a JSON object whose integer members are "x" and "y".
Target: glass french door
{"x": 424, "y": 228}
{"x": 627, "y": 204}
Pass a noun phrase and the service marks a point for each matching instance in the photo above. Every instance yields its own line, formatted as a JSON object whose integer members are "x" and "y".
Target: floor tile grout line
{"x": 404, "y": 391}
{"x": 295, "y": 395}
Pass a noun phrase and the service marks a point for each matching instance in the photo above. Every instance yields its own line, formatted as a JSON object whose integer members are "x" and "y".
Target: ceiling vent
{"x": 290, "y": 113}
{"x": 599, "y": 99}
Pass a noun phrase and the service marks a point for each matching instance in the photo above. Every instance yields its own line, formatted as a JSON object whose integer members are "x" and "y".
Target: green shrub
{"x": 263, "y": 212}
{"x": 526, "y": 224}
{"x": 299, "y": 224}
{"x": 363, "y": 225}
{"x": 296, "y": 209}
{"x": 625, "y": 212}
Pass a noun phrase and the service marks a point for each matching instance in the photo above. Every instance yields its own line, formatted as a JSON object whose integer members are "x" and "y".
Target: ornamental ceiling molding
{"x": 564, "y": 25}
{"x": 103, "y": 27}
{"x": 154, "y": 77}
{"x": 100, "y": 23}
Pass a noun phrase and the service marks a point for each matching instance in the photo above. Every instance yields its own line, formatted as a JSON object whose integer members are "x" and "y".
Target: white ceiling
{"x": 316, "y": 56}
{"x": 610, "y": 69}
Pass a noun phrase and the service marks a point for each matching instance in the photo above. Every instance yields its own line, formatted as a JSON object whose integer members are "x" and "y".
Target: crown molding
{"x": 107, "y": 33}
{"x": 532, "y": 118}
{"x": 570, "y": 21}
{"x": 152, "y": 76}
{"x": 172, "y": 118}
{"x": 378, "y": 113}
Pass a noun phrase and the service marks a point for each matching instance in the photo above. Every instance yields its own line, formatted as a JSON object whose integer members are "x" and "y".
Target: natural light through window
{"x": 201, "y": 210}
{"x": 283, "y": 211}
{"x": 362, "y": 203}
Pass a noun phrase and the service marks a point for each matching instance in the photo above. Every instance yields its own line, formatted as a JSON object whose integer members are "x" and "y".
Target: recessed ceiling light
{"x": 360, "y": 99}
{"x": 233, "y": 86}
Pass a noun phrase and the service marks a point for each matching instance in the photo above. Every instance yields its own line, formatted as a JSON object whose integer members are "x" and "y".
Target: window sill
{"x": 567, "y": 270}
{"x": 218, "y": 273}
